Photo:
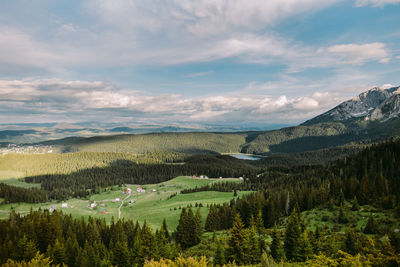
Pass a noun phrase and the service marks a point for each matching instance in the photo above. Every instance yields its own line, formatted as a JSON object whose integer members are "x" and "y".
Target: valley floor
{"x": 147, "y": 206}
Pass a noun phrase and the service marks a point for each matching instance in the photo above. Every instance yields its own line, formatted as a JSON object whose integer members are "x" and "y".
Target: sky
{"x": 200, "y": 61}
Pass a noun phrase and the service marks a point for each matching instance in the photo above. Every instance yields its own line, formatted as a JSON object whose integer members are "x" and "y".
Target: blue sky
{"x": 200, "y": 61}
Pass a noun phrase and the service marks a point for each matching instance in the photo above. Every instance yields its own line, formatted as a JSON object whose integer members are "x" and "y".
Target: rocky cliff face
{"x": 374, "y": 104}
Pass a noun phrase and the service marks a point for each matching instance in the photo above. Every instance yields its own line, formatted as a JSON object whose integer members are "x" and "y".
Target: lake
{"x": 246, "y": 156}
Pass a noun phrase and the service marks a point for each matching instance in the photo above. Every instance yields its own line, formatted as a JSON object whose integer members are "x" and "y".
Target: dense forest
{"x": 39, "y": 164}
{"x": 371, "y": 177}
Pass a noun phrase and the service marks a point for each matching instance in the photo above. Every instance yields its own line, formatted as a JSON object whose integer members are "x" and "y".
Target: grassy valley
{"x": 149, "y": 207}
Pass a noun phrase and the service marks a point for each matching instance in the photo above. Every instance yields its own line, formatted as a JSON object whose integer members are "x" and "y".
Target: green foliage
{"x": 238, "y": 242}
{"x": 276, "y": 247}
{"x": 189, "y": 230}
{"x": 143, "y": 143}
{"x": 292, "y": 236}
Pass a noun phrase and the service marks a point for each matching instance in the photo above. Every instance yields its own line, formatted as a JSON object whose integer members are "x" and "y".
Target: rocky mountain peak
{"x": 375, "y": 104}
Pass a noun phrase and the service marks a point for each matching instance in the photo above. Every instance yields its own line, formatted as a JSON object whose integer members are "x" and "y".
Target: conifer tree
{"x": 370, "y": 227}
{"x": 164, "y": 229}
{"x": 351, "y": 242}
{"x": 292, "y": 235}
{"x": 355, "y": 206}
{"x": 276, "y": 246}
{"x": 199, "y": 226}
{"x": 341, "y": 198}
{"x": 305, "y": 249}
{"x": 238, "y": 242}
{"x": 260, "y": 222}
{"x": 181, "y": 230}
{"x": 219, "y": 257}
{"x": 254, "y": 251}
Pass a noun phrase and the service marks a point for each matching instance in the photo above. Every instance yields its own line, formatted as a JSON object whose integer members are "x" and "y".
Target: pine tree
{"x": 260, "y": 222}
{"x": 181, "y": 235}
{"x": 351, "y": 242}
{"x": 276, "y": 246}
{"x": 198, "y": 226}
{"x": 355, "y": 206}
{"x": 341, "y": 199}
{"x": 238, "y": 242}
{"x": 370, "y": 227}
{"x": 121, "y": 254}
{"x": 164, "y": 229}
{"x": 253, "y": 251}
{"x": 219, "y": 257}
{"x": 305, "y": 249}
{"x": 292, "y": 235}
{"x": 30, "y": 250}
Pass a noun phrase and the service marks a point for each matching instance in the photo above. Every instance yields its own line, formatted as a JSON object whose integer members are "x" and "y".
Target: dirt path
{"x": 120, "y": 206}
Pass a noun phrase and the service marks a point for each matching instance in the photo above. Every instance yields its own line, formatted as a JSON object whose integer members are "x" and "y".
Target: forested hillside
{"x": 141, "y": 143}
{"x": 40, "y": 164}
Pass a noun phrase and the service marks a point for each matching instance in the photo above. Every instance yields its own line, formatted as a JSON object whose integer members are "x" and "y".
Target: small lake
{"x": 246, "y": 156}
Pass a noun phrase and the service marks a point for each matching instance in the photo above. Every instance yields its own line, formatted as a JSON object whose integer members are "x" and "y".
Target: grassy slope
{"x": 152, "y": 207}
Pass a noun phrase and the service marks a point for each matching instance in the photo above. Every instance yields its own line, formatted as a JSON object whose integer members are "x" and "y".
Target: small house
{"x": 93, "y": 205}
{"x": 128, "y": 191}
{"x": 140, "y": 190}
{"x": 102, "y": 211}
{"x": 241, "y": 178}
{"x": 153, "y": 190}
{"x": 131, "y": 201}
{"x": 64, "y": 205}
{"x": 51, "y": 210}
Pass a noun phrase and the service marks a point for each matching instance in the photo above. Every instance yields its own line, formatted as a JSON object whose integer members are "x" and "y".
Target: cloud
{"x": 123, "y": 33}
{"x": 82, "y": 100}
{"x": 376, "y": 3}
{"x": 360, "y": 53}
{"x": 199, "y": 74}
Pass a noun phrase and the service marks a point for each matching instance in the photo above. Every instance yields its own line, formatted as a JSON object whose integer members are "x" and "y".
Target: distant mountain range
{"x": 371, "y": 117}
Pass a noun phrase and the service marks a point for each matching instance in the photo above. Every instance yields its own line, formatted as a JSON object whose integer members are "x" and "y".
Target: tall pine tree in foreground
{"x": 238, "y": 242}
{"x": 189, "y": 230}
{"x": 292, "y": 236}
{"x": 276, "y": 246}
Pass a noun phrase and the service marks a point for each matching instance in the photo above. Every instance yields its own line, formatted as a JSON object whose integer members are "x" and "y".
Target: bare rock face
{"x": 374, "y": 104}
{"x": 388, "y": 109}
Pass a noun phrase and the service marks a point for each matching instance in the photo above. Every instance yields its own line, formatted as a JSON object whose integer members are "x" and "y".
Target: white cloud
{"x": 123, "y": 33}
{"x": 306, "y": 103}
{"x": 199, "y": 74}
{"x": 376, "y": 3}
{"x": 100, "y": 100}
{"x": 360, "y": 53}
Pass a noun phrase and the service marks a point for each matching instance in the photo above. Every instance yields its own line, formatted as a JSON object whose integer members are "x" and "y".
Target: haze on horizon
{"x": 202, "y": 61}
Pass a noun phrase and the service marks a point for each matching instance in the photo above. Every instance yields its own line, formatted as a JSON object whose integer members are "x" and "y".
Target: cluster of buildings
{"x": 18, "y": 149}
{"x": 200, "y": 177}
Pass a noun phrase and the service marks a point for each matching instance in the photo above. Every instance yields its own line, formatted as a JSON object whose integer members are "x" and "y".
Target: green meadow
{"x": 149, "y": 207}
